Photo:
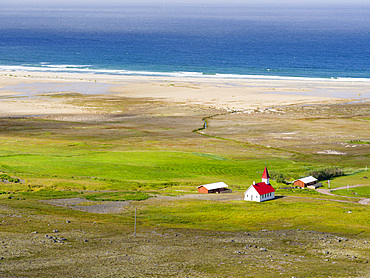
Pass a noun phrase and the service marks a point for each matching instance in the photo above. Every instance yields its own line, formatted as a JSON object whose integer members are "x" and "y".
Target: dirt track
{"x": 89, "y": 206}
{"x": 363, "y": 201}
{"x": 117, "y": 207}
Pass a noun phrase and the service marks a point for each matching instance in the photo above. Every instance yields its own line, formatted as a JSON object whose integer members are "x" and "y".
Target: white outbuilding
{"x": 309, "y": 182}
{"x": 217, "y": 187}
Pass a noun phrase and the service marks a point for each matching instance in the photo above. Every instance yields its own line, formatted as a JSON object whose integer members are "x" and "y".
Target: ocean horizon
{"x": 246, "y": 41}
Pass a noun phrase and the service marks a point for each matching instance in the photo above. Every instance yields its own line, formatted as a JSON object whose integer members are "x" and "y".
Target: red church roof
{"x": 265, "y": 174}
{"x": 263, "y": 188}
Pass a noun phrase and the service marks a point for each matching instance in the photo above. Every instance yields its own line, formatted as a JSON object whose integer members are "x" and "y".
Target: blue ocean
{"x": 244, "y": 41}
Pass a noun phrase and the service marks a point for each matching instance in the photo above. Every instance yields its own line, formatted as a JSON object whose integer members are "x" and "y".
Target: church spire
{"x": 266, "y": 176}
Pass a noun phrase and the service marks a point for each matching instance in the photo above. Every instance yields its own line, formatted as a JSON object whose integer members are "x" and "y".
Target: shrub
{"x": 327, "y": 173}
{"x": 8, "y": 178}
{"x": 359, "y": 142}
{"x": 277, "y": 176}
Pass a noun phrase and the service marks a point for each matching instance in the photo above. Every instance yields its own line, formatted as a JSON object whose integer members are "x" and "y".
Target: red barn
{"x": 217, "y": 187}
{"x": 309, "y": 182}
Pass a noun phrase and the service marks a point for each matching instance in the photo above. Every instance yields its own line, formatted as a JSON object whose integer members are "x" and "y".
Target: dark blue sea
{"x": 244, "y": 41}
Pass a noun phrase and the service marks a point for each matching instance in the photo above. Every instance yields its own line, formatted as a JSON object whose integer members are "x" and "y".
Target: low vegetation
{"x": 145, "y": 154}
{"x": 363, "y": 191}
{"x": 118, "y": 196}
{"x": 278, "y": 177}
{"x": 361, "y": 142}
{"x": 327, "y": 173}
{"x": 8, "y": 178}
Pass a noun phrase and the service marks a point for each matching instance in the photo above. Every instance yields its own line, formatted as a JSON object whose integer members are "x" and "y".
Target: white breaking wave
{"x": 45, "y": 67}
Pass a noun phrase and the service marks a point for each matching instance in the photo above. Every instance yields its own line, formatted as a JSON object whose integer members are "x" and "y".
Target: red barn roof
{"x": 263, "y": 188}
{"x": 265, "y": 174}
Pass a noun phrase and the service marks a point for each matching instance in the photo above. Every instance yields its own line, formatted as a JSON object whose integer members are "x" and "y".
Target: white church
{"x": 262, "y": 191}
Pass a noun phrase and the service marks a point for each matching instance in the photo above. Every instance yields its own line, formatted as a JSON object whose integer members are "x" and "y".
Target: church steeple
{"x": 266, "y": 176}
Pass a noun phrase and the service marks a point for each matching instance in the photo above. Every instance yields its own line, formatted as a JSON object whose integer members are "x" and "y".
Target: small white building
{"x": 217, "y": 187}
{"x": 262, "y": 191}
{"x": 309, "y": 182}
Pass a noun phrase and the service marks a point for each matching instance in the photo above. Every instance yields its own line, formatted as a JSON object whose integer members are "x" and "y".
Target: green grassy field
{"x": 286, "y": 213}
{"x": 148, "y": 153}
{"x": 182, "y": 236}
{"x": 351, "y": 179}
{"x": 355, "y": 192}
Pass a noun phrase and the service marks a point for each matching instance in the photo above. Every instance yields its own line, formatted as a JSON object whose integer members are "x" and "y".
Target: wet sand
{"x": 27, "y": 93}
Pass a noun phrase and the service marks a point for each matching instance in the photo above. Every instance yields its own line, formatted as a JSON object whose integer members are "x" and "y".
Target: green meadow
{"x": 363, "y": 191}
{"x": 149, "y": 146}
{"x": 151, "y": 156}
{"x": 282, "y": 214}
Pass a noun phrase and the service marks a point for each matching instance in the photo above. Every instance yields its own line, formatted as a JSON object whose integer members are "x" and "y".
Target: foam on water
{"x": 87, "y": 69}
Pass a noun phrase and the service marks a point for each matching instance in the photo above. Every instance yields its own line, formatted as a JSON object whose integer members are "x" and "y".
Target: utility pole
{"x": 135, "y": 223}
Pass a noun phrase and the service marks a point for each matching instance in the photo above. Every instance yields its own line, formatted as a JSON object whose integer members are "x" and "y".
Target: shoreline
{"x": 172, "y": 75}
{"x": 19, "y": 91}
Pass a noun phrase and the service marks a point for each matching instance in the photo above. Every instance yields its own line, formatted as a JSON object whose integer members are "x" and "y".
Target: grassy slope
{"x": 354, "y": 192}
{"x": 353, "y": 179}
{"x": 177, "y": 238}
{"x": 286, "y": 213}
{"x": 152, "y": 148}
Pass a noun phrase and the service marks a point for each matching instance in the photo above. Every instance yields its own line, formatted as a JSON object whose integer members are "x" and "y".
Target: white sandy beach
{"x": 21, "y": 92}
